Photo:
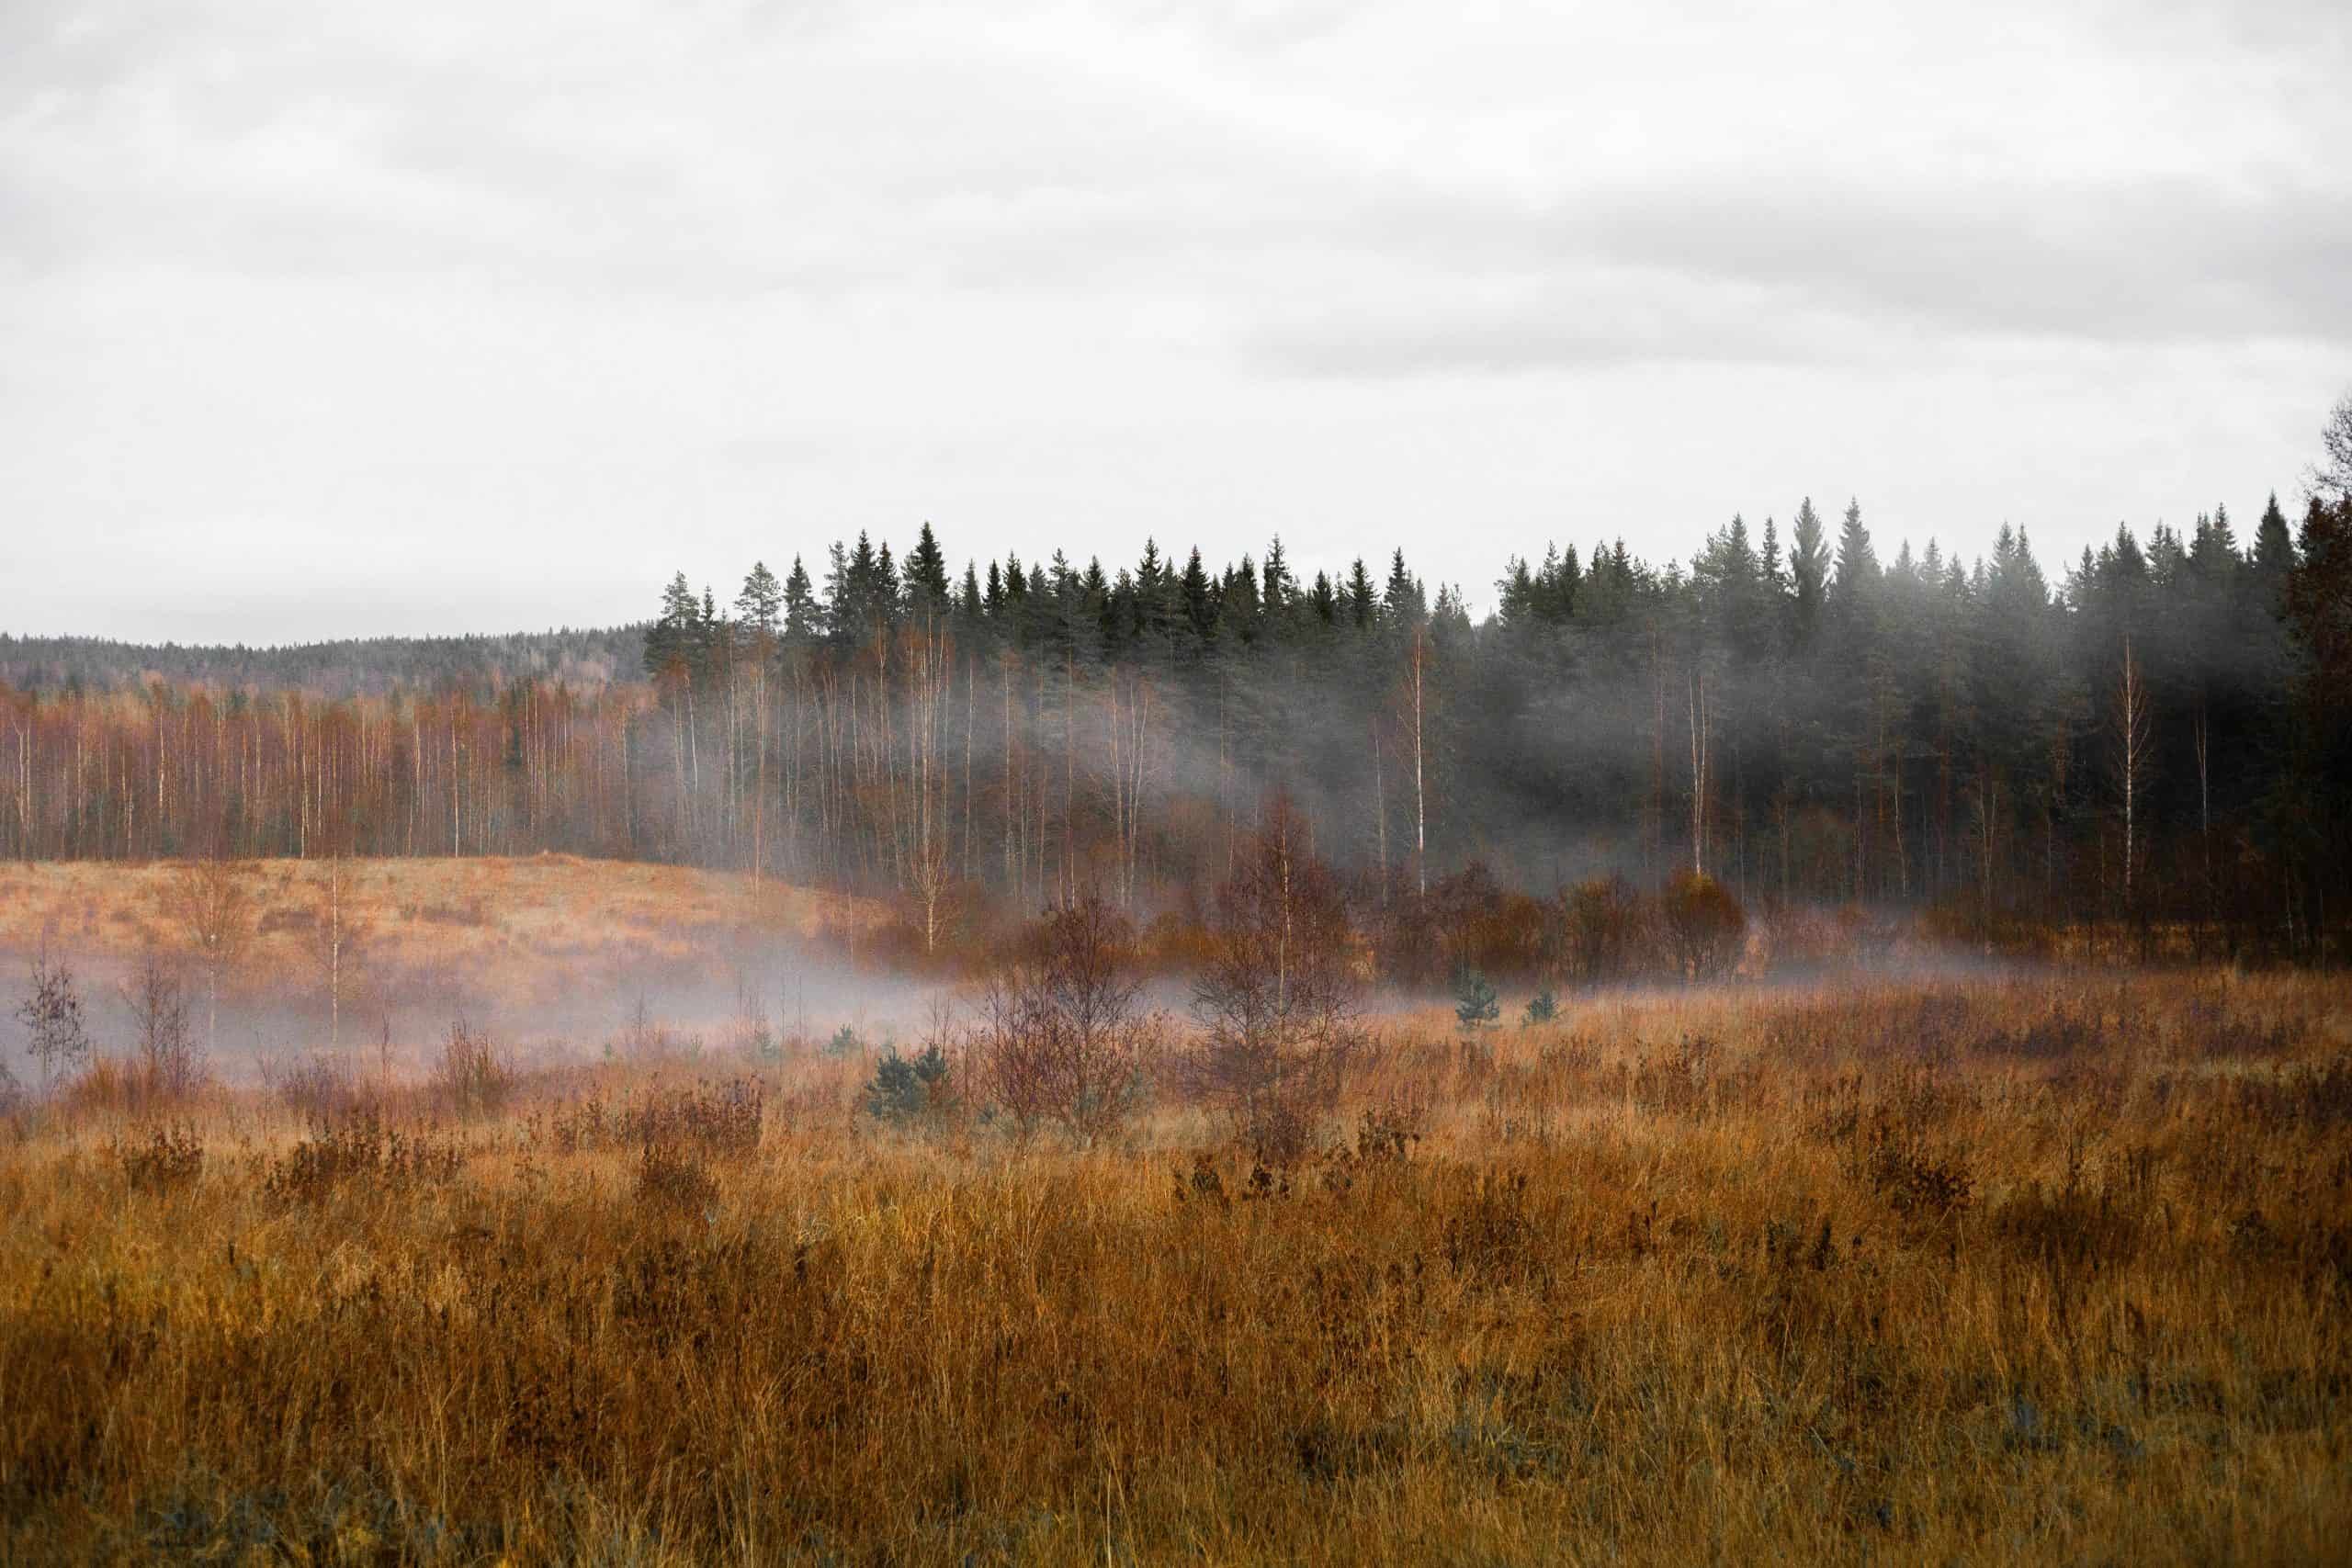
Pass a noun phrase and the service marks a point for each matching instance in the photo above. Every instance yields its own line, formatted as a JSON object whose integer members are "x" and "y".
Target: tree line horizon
{"x": 2157, "y": 738}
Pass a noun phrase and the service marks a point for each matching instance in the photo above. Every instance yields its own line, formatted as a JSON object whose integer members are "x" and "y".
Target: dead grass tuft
{"x": 358, "y": 1153}
{"x": 162, "y": 1160}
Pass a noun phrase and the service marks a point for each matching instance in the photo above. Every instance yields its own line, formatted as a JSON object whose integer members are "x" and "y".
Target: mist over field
{"x": 559, "y": 959}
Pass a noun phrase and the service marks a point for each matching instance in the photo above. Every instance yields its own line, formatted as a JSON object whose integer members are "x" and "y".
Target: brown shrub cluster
{"x": 1703, "y": 925}
{"x": 1277, "y": 1001}
{"x": 160, "y": 1159}
{"x": 676, "y": 1133}
{"x": 718, "y": 1119}
{"x": 671, "y": 1176}
{"x": 1599, "y": 932}
{"x": 472, "y": 1077}
{"x": 317, "y": 1087}
{"x": 1060, "y": 1037}
{"x": 358, "y": 1153}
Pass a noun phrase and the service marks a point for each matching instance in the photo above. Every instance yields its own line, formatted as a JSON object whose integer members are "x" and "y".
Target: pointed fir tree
{"x": 1363, "y": 603}
{"x": 926, "y": 573}
{"x": 1858, "y": 568}
{"x": 803, "y": 617}
{"x": 1200, "y": 610}
{"x": 1808, "y": 573}
{"x": 1323, "y": 601}
{"x": 759, "y": 607}
{"x": 1403, "y": 602}
{"x": 2274, "y": 556}
{"x": 669, "y": 649}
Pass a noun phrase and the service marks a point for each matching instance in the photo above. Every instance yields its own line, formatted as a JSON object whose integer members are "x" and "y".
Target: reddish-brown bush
{"x": 1277, "y": 1000}
{"x": 1704, "y": 925}
{"x": 1604, "y": 931}
{"x": 1060, "y": 1037}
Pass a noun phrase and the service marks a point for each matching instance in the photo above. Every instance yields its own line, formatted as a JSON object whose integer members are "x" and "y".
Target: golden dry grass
{"x": 520, "y": 928}
{"x": 2032, "y": 1271}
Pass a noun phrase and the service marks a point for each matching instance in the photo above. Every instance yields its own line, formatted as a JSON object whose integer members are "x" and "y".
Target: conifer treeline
{"x": 2157, "y": 738}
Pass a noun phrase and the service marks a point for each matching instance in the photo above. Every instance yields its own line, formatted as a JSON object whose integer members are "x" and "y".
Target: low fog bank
{"x": 757, "y": 1001}
{"x": 754, "y": 1001}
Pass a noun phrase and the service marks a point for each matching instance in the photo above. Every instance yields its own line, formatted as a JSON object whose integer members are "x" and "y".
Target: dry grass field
{"x": 553, "y": 952}
{"x": 2041, "y": 1269}
{"x": 518, "y": 928}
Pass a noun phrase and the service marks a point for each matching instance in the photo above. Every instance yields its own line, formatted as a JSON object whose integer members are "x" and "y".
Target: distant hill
{"x": 365, "y": 665}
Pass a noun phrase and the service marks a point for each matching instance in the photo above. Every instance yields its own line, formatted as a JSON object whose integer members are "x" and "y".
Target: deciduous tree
{"x": 51, "y": 1014}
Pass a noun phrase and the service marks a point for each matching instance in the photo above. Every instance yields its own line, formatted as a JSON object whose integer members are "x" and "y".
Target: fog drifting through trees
{"x": 2152, "y": 735}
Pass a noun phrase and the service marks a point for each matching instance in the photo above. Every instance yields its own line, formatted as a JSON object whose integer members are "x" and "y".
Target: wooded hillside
{"x": 2156, "y": 735}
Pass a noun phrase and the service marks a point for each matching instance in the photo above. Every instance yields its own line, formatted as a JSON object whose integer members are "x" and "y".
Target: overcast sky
{"x": 324, "y": 319}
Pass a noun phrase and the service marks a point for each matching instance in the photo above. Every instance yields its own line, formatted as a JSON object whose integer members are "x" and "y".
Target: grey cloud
{"x": 1250, "y": 27}
{"x": 264, "y": 233}
{"x": 1548, "y": 328}
{"x": 886, "y": 259}
{"x": 2315, "y": 30}
{"x": 122, "y": 145}
{"x": 55, "y": 61}
{"x": 1717, "y": 270}
{"x": 2129, "y": 259}
{"x": 448, "y": 164}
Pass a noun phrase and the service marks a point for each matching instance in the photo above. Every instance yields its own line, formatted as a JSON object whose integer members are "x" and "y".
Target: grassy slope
{"x": 514, "y": 927}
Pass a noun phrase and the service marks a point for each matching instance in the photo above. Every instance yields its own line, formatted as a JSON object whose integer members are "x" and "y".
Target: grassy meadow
{"x": 517, "y": 930}
{"x": 2032, "y": 1269}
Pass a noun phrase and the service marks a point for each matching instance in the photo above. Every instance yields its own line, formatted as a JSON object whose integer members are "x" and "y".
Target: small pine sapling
{"x": 1475, "y": 1003}
{"x": 906, "y": 1088}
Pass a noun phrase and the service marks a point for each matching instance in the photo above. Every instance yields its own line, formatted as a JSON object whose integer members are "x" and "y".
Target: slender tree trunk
{"x": 334, "y": 954}
{"x": 1700, "y": 724}
{"x": 1011, "y": 871}
{"x": 1654, "y": 810}
{"x": 1069, "y": 774}
{"x": 760, "y": 787}
{"x": 1420, "y": 797}
{"x": 2204, "y": 815}
{"x": 2132, "y": 744}
{"x": 971, "y": 706}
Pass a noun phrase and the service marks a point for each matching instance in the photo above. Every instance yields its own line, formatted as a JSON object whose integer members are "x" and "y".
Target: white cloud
{"x": 571, "y": 298}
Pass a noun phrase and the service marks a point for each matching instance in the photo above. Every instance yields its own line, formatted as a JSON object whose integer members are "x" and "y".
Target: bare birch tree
{"x": 1061, "y": 1037}
{"x": 169, "y": 1067}
{"x": 1277, "y": 997}
{"x": 338, "y": 945}
{"x": 212, "y": 902}
{"x": 51, "y": 1014}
